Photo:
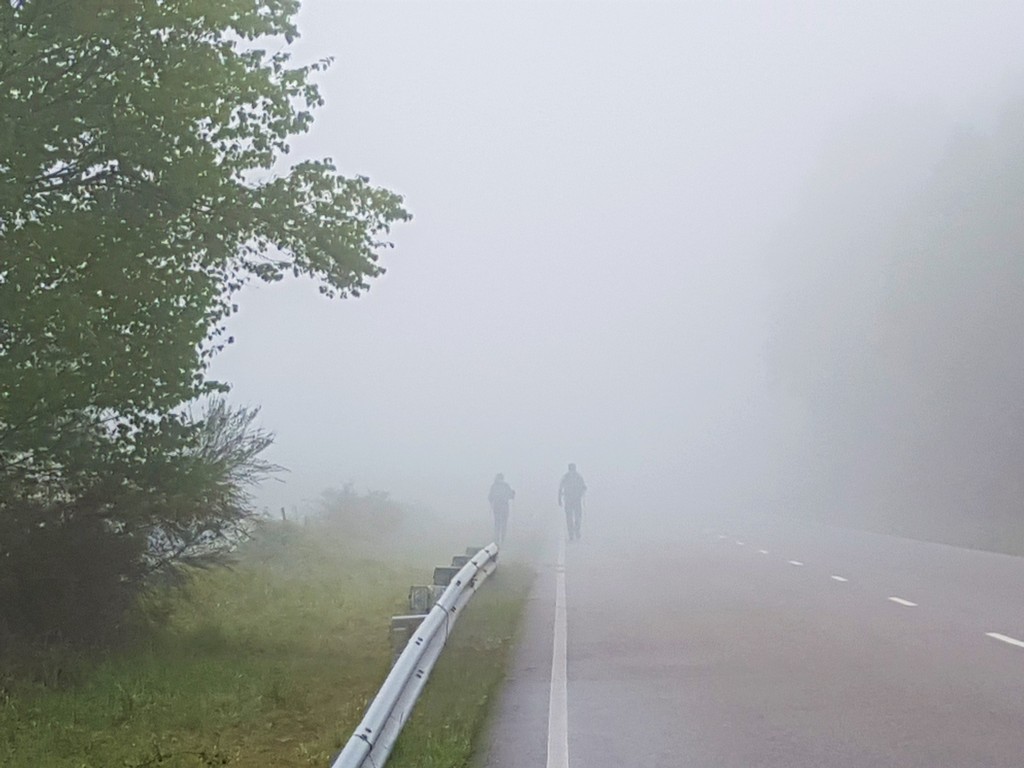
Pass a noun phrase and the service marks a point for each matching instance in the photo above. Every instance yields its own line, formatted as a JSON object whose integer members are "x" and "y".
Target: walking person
{"x": 500, "y": 496}
{"x": 570, "y": 497}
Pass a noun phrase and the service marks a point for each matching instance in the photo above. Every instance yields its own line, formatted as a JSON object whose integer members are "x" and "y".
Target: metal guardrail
{"x": 375, "y": 736}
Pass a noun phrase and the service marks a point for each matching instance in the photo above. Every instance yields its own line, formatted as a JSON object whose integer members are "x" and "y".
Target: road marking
{"x": 839, "y": 578}
{"x": 795, "y": 562}
{"x": 901, "y": 601}
{"x": 763, "y": 551}
{"x": 558, "y": 706}
{"x": 1006, "y": 639}
{"x": 739, "y": 544}
{"x": 722, "y": 536}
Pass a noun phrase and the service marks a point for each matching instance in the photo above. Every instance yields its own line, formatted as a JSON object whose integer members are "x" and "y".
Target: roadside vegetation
{"x": 270, "y": 662}
{"x": 147, "y": 618}
{"x": 144, "y": 180}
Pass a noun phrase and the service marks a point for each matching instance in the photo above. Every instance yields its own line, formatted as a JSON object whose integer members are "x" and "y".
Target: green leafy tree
{"x": 142, "y": 183}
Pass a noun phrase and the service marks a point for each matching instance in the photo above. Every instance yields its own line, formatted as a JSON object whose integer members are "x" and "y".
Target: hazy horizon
{"x": 590, "y": 276}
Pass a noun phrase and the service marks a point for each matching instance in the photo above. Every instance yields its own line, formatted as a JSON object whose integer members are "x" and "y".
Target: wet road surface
{"x": 757, "y": 645}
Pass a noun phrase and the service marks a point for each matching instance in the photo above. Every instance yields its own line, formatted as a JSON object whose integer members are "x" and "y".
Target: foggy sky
{"x": 594, "y": 189}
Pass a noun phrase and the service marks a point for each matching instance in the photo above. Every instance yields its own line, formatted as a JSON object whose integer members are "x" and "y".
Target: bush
{"x": 66, "y": 579}
{"x": 73, "y": 561}
{"x": 370, "y": 517}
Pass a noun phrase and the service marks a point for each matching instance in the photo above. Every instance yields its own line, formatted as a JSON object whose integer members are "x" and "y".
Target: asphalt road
{"x": 768, "y": 645}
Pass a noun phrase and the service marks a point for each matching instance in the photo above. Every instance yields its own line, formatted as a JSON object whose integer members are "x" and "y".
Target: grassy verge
{"x": 271, "y": 663}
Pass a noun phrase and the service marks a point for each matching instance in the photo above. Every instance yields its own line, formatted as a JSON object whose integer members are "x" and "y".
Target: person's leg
{"x": 504, "y": 525}
{"x": 568, "y": 521}
{"x": 578, "y": 520}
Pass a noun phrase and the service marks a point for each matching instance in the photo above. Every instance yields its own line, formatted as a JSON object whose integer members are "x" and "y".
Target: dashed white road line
{"x": 722, "y": 536}
{"x": 901, "y": 601}
{"x": 795, "y": 562}
{"x": 763, "y": 551}
{"x": 739, "y": 544}
{"x": 838, "y": 578}
{"x": 558, "y": 706}
{"x": 1005, "y": 639}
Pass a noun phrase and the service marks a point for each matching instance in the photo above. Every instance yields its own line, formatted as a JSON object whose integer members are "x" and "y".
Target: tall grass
{"x": 270, "y": 663}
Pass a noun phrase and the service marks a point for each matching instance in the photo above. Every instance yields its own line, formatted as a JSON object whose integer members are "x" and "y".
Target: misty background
{"x": 724, "y": 257}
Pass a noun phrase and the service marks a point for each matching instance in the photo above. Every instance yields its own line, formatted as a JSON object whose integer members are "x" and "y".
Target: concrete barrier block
{"x": 443, "y": 575}
{"x": 402, "y": 629}
{"x": 420, "y": 599}
{"x": 460, "y": 560}
{"x": 423, "y": 597}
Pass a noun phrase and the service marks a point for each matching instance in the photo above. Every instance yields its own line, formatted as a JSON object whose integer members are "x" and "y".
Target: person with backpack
{"x": 570, "y": 497}
{"x": 500, "y": 496}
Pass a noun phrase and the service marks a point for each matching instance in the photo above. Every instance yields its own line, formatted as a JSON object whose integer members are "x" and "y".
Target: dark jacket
{"x": 501, "y": 494}
{"x": 571, "y": 489}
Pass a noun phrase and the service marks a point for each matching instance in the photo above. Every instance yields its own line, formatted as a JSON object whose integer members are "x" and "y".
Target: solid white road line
{"x": 839, "y": 578}
{"x": 1006, "y": 639}
{"x": 795, "y": 562}
{"x": 558, "y": 706}
{"x": 901, "y": 601}
{"x": 763, "y": 551}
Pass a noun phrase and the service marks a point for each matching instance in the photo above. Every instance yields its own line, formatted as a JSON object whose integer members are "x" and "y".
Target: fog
{"x": 901, "y": 336}
{"x": 657, "y": 240}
